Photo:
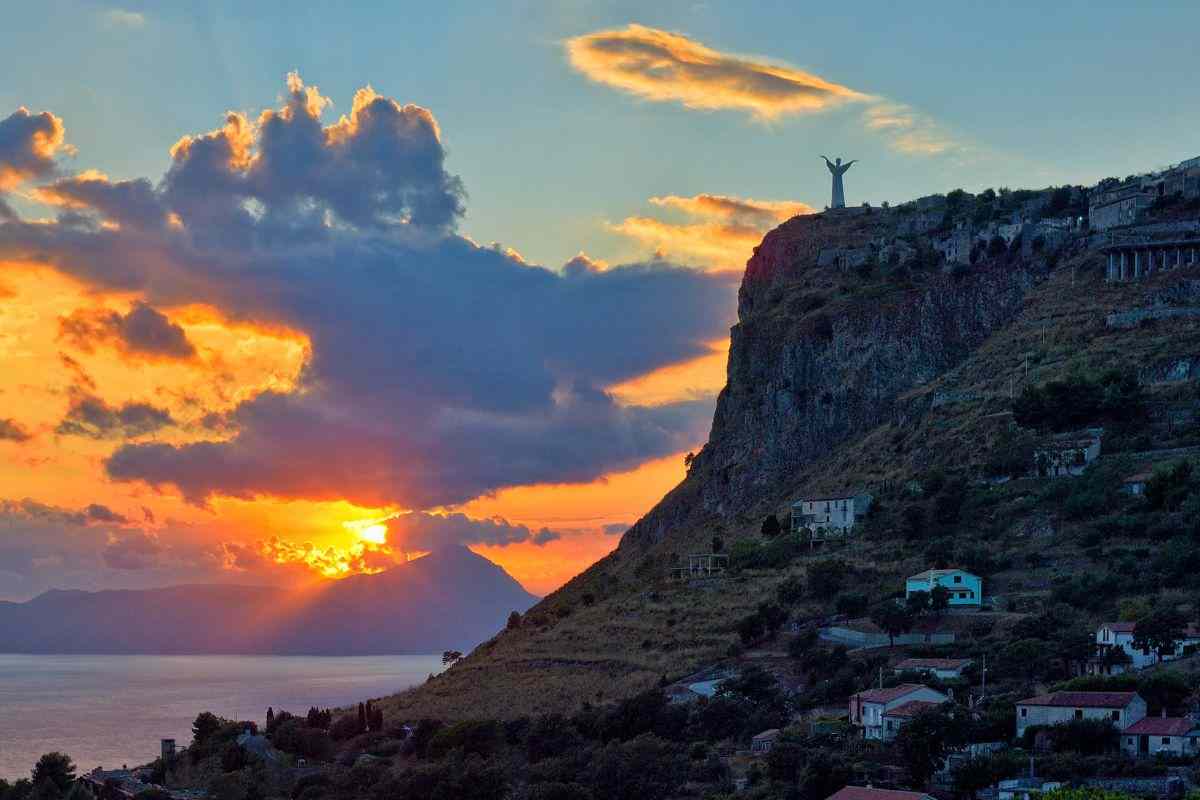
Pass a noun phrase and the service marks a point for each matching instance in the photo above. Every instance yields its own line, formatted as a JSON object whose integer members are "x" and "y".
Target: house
{"x": 867, "y": 708}
{"x": 1121, "y": 205}
{"x": 956, "y": 245}
{"x": 901, "y": 715}
{"x": 870, "y": 793}
{"x": 761, "y": 744}
{"x": 1057, "y": 708}
{"x": 1067, "y": 453}
{"x": 829, "y": 516}
{"x": 1025, "y": 788}
{"x": 1119, "y": 636}
{"x": 702, "y": 565}
{"x": 1136, "y": 484}
{"x": 682, "y": 695}
{"x": 966, "y": 590}
{"x": 1150, "y": 736}
{"x": 941, "y": 668}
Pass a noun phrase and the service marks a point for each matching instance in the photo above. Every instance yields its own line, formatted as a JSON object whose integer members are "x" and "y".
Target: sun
{"x": 376, "y": 534}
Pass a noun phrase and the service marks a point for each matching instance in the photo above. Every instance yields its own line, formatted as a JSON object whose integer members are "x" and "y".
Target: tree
{"x": 57, "y": 768}
{"x": 972, "y": 775}
{"x": 892, "y": 619}
{"x": 790, "y": 592}
{"x": 718, "y": 544}
{"x": 770, "y": 527}
{"x": 270, "y": 719}
{"x": 924, "y": 742}
{"x": 362, "y": 718}
{"x": 204, "y": 727}
{"x": 917, "y": 603}
{"x": 939, "y": 599}
{"x": 450, "y": 656}
{"x": 1159, "y": 631}
{"x": 514, "y": 621}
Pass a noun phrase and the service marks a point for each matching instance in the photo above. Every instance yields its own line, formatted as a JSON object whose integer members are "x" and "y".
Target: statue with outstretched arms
{"x": 838, "y": 169}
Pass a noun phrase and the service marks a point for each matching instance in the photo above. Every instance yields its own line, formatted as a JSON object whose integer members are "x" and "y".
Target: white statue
{"x": 838, "y": 169}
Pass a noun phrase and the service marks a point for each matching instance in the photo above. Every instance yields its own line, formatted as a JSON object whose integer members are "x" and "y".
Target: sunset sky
{"x": 291, "y": 293}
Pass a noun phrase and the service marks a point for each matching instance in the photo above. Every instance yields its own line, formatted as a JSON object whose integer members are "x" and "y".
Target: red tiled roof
{"x": 888, "y": 695}
{"x": 1120, "y": 627}
{"x": 1162, "y": 726}
{"x": 867, "y": 793}
{"x": 1081, "y": 699}
{"x": 933, "y": 663}
{"x": 911, "y": 709}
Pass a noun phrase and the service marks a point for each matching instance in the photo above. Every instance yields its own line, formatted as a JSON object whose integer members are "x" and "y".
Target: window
{"x": 1116, "y": 716}
{"x": 1024, "y": 713}
{"x": 958, "y": 578}
{"x": 1079, "y": 713}
{"x": 1129, "y": 740}
{"x": 1166, "y": 740}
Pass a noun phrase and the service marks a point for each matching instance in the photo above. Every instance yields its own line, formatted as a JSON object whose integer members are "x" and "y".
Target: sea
{"x": 111, "y": 711}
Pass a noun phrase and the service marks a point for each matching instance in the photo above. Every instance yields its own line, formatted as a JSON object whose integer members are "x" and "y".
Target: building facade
{"x": 966, "y": 590}
{"x": 867, "y": 708}
{"x": 941, "y": 668}
{"x": 836, "y": 515}
{"x": 1122, "y": 709}
{"x": 1178, "y": 736}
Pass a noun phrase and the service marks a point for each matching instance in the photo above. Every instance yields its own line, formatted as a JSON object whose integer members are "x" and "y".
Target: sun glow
{"x": 374, "y": 533}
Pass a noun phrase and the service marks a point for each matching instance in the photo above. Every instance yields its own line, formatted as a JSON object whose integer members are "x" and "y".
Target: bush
{"x": 297, "y": 737}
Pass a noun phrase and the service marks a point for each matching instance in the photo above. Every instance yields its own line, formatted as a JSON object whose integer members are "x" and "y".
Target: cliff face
{"x": 821, "y": 355}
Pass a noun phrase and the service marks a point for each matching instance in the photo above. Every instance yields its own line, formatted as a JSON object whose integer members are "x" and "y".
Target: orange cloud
{"x": 698, "y": 378}
{"x": 669, "y": 67}
{"x": 28, "y": 146}
{"x": 725, "y": 235}
{"x": 910, "y": 131}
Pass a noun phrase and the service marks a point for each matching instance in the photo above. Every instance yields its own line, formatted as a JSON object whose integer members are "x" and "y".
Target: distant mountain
{"x": 450, "y": 599}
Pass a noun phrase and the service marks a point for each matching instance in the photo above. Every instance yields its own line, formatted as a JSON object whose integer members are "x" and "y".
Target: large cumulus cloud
{"x": 440, "y": 369}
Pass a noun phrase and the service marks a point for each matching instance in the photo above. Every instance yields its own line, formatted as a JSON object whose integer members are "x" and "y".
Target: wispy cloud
{"x": 662, "y": 66}
{"x": 665, "y": 67}
{"x": 720, "y": 231}
{"x": 122, "y": 18}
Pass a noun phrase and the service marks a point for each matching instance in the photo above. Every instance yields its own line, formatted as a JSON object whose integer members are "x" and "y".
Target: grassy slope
{"x": 641, "y": 627}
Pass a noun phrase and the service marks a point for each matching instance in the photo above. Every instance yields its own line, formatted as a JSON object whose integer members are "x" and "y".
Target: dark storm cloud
{"x": 90, "y": 416}
{"x": 12, "y": 431}
{"x": 440, "y": 370}
{"x": 31, "y": 510}
{"x": 144, "y": 331}
{"x": 28, "y": 144}
{"x": 422, "y": 531}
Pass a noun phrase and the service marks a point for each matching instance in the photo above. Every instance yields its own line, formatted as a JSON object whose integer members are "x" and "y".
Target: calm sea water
{"x": 113, "y": 710}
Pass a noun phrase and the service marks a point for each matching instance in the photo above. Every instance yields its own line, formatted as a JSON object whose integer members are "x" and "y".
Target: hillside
{"x": 449, "y": 599}
{"x": 897, "y": 376}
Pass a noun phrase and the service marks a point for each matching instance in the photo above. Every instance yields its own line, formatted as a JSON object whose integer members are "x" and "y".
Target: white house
{"x": 941, "y": 668}
{"x": 1067, "y": 453}
{"x": 1025, "y": 788}
{"x": 1153, "y": 735}
{"x": 867, "y": 708}
{"x": 830, "y": 515}
{"x": 1120, "y": 635}
{"x": 1057, "y": 708}
{"x": 966, "y": 590}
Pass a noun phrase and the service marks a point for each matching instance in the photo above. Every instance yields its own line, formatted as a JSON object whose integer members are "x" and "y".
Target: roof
{"x": 935, "y": 573}
{"x": 1141, "y": 477}
{"x": 826, "y": 499}
{"x": 890, "y": 694}
{"x": 1081, "y": 699}
{"x": 933, "y": 663}
{"x": 1162, "y": 726}
{"x": 1120, "y": 627}
{"x": 911, "y": 709}
{"x": 770, "y": 733}
{"x": 869, "y": 793}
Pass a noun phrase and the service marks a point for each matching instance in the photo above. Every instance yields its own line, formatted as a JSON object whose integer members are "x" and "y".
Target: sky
{"x": 289, "y": 293}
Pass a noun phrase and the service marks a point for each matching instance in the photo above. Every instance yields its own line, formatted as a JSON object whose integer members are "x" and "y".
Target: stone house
{"x": 1122, "y": 709}
{"x": 956, "y": 245}
{"x": 867, "y": 708}
{"x": 1121, "y": 205}
{"x": 830, "y": 516}
{"x": 1179, "y": 736}
{"x": 966, "y": 590}
{"x": 761, "y": 744}
{"x": 1136, "y": 484}
{"x": 1067, "y": 453}
{"x": 940, "y": 668}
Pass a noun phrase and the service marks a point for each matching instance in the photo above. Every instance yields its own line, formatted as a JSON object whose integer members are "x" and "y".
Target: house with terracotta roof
{"x": 901, "y": 715}
{"x": 871, "y": 793}
{"x": 1150, "y": 736}
{"x": 1122, "y": 709}
{"x": 941, "y": 668}
{"x": 966, "y": 590}
{"x": 867, "y": 708}
{"x": 1120, "y": 635}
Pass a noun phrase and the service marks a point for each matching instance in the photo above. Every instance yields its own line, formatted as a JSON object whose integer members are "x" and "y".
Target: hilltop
{"x": 449, "y": 599}
{"x": 886, "y": 351}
